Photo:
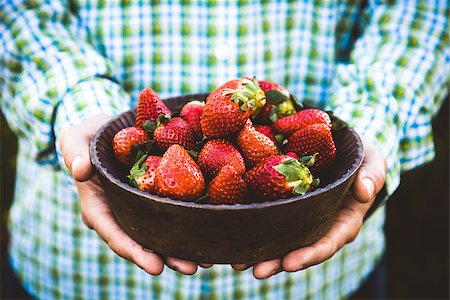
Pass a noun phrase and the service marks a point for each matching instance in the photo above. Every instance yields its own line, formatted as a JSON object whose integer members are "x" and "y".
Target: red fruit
{"x": 178, "y": 176}
{"x": 292, "y": 154}
{"x": 267, "y": 131}
{"x": 173, "y": 131}
{"x": 191, "y": 113}
{"x": 316, "y": 138}
{"x": 218, "y": 153}
{"x": 142, "y": 175}
{"x": 227, "y": 187}
{"x": 254, "y": 145}
{"x": 228, "y": 107}
{"x": 125, "y": 141}
{"x": 278, "y": 105}
{"x": 150, "y": 107}
{"x": 290, "y": 124}
{"x": 279, "y": 176}
{"x": 268, "y": 86}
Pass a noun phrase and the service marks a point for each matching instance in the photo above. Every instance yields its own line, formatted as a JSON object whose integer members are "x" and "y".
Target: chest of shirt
{"x": 196, "y": 45}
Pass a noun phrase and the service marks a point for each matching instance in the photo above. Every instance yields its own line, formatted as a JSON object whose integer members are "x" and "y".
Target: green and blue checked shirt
{"x": 381, "y": 65}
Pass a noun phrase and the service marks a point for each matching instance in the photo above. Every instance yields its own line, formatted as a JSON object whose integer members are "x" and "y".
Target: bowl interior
{"x": 348, "y": 159}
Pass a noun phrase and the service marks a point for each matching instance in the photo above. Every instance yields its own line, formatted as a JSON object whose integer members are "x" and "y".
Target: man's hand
{"x": 96, "y": 213}
{"x": 368, "y": 182}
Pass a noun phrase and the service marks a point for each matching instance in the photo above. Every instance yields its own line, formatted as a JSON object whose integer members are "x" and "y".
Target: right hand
{"x": 95, "y": 210}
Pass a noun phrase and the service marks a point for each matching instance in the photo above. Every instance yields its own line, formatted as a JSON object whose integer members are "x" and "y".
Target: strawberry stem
{"x": 297, "y": 174}
{"x": 138, "y": 168}
{"x": 250, "y": 96}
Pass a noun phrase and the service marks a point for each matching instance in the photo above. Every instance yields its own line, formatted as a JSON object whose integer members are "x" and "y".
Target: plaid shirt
{"x": 383, "y": 67}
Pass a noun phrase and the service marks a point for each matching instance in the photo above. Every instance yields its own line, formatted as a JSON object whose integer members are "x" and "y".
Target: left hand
{"x": 344, "y": 229}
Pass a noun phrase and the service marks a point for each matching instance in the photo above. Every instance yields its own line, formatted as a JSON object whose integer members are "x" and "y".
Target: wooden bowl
{"x": 244, "y": 233}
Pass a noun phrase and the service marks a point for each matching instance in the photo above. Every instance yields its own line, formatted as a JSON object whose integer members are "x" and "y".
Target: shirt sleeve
{"x": 47, "y": 66}
{"x": 395, "y": 81}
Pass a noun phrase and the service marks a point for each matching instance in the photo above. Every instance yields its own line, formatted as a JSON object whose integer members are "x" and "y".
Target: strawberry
{"x": 288, "y": 125}
{"x": 227, "y": 187}
{"x": 228, "y": 107}
{"x": 278, "y": 102}
{"x": 267, "y": 131}
{"x": 218, "y": 153}
{"x": 254, "y": 145}
{"x": 178, "y": 176}
{"x": 150, "y": 107}
{"x": 126, "y": 142}
{"x": 170, "y": 131}
{"x": 142, "y": 174}
{"x": 280, "y": 176}
{"x": 316, "y": 138}
{"x": 191, "y": 113}
{"x": 272, "y": 86}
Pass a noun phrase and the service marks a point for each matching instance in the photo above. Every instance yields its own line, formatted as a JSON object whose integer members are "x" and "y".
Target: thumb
{"x": 371, "y": 175}
{"x": 74, "y": 144}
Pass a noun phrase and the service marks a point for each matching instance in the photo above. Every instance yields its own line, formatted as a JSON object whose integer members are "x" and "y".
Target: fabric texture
{"x": 382, "y": 66}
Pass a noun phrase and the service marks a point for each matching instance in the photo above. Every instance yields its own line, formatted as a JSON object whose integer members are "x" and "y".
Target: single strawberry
{"x": 280, "y": 176}
{"x": 290, "y": 124}
{"x": 227, "y": 187}
{"x": 278, "y": 103}
{"x": 267, "y": 131}
{"x": 126, "y": 142}
{"x": 292, "y": 154}
{"x": 316, "y": 138}
{"x": 254, "y": 145}
{"x": 170, "y": 131}
{"x": 150, "y": 107}
{"x": 191, "y": 113}
{"x": 142, "y": 174}
{"x": 178, "y": 176}
{"x": 218, "y": 153}
{"x": 272, "y": 86}
{"x": 228, "y": 107}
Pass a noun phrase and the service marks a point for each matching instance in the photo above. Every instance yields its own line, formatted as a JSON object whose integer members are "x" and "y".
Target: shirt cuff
{"x": 87, "y": 98}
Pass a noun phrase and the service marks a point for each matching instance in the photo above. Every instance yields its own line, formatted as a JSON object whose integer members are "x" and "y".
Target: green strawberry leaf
{"x": 177, "y": 111}
{"x": 133, "y": 183}
{"x": 308, "y": 160}
{"x": 201, "y": 199}
{"x": 338, "y": 125}
{"x": 297, "y": 104}
{"x": 138, "y": 168}
{"x": 316, "y": 182}
{"x": 300, "y": 189}
{"x": 193, "y": 154}
{"x": 275, "y": 97}
{"x": 297, "y": 175}
{"x": 279, "y": 138}
{"x": 149, "y": 127}
{"x": 162, "y": 119}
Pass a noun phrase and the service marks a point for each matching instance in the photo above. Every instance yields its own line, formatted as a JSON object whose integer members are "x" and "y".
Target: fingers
{"x": 240, "y": 267}
{"x": 98, "y": 216}
{"x": 266, "y": 269}
{"x": 371, "y": 175}
{"x": 182, "y": 266}
{"x": 74, "y": 144}
{"x": 343, "y": 230}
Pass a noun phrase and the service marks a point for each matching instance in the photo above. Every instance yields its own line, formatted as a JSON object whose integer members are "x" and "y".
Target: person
{"x": 69, "y": 66}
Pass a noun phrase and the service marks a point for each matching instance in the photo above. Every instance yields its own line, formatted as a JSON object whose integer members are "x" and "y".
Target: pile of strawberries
{"x": 251, "y": 141}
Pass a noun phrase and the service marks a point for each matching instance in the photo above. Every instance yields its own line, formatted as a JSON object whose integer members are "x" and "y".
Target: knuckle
{"x": 86, "y": 222}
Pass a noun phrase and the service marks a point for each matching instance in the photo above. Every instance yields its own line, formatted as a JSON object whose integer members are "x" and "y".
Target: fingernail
{"x": 148, "y": 250}
{"x": 75, "y": 164}
{"x": 368, "y": 184}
